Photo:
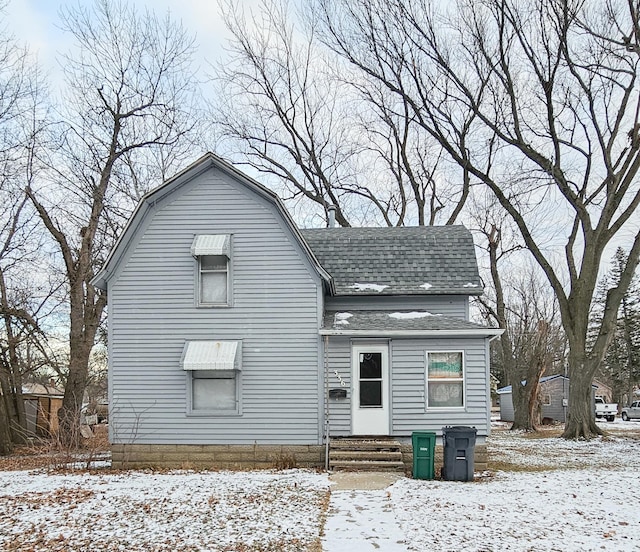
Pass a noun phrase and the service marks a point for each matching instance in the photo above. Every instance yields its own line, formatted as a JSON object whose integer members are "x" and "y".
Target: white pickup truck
{"x": 606, "y": 410}
{"x": 631, "y": 412}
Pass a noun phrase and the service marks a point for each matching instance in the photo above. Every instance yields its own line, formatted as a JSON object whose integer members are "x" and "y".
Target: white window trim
{"x": 219, "y": 412}
{"x": 215, "y": 412}
{"x": 445, "y": 380}
{"x": 224, "y": 251}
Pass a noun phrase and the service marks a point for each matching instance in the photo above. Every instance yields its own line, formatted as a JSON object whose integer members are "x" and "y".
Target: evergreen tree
{"x": 621, "y": 366}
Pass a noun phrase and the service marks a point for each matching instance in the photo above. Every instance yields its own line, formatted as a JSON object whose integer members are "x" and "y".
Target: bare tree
{"x": 550, "y": 92}
{"x": 532, "y": 344}
{"x": 293, "y": 110}
{"x": 128, "y": 103}
{"x": 22, "y": 299}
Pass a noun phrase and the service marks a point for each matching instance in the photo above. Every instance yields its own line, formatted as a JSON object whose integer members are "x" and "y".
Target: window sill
{"x": 214, "y": 414}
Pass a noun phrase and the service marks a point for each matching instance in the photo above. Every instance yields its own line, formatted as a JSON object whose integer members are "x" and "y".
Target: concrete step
{"x": 355, "y": 444}
{"x": 365, "y": 454}
{"x": 382, "y": 455}
{"x": 366, "y": 465}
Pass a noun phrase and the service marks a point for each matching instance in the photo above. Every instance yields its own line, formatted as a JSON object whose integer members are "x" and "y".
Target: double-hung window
{"x": 445, "y": 379}
{"x": 212, "y": 253}
{"x": 213, "y": 377}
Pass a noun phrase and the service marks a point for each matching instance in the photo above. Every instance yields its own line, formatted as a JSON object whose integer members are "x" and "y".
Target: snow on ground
{"x": 557, "y": 495}
{"x": 143, "y": 511}
{"x": 542, "y": 494}
{"x": 564, "y": 496}
{"x": 575, "y": 510}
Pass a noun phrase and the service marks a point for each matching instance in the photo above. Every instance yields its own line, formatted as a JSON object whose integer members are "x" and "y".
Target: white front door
{"x": 370, "y": 390}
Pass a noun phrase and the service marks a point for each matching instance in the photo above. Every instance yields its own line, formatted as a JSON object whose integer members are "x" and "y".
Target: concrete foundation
{"x": 235, "y": 457}
{"x": 238, "y": 457}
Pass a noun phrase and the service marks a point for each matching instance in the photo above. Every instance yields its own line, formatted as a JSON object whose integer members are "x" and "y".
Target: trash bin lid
{"x": 458, "y": 429}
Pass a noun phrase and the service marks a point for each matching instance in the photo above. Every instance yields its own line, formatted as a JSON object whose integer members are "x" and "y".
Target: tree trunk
{"x": 522, "y": 413}
{"x": 6, "y": 445}
{"x": 525, "y": 402}
{"x": 13, "y": 404}
{"x": 581, "y": 419}
{"x": 85, "y": 318}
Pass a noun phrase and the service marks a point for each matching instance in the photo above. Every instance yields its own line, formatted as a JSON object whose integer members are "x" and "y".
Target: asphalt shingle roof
{"x": 354, "y": 321}
{"x": 425, "y": 260}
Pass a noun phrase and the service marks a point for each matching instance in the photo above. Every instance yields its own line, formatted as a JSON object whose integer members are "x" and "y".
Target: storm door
{"x": 370, "y": 376}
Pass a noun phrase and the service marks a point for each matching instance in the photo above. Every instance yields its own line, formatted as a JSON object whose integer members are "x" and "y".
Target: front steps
{"x": 365, "y": 453}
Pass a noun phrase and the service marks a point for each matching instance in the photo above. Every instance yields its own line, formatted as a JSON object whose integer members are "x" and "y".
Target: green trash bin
{"x": 424, "y": 444}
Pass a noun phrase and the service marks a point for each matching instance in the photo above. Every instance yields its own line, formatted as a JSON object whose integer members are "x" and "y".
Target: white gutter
{"x": 488, "y": 332}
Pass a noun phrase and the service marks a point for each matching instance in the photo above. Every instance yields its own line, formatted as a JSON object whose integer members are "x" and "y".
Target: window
{"x": 546, "y": 400}
{"x": 213, "y": 390}
{"x": 213, "y": 280}
{"x": 213, "y": 372}
{"x": 445, "y": 380}
{"x": 370, "y": 378}
{"x": 212, "y": 255}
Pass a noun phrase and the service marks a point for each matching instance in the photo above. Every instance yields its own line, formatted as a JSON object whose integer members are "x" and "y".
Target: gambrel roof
{"x": 206, "y": 162}
{"x": 425, "y": 260}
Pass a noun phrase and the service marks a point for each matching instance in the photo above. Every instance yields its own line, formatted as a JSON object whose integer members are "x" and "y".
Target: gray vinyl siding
{"x": 339, "y": 356}
{"x": 408, "y": 386}
{"x": 447, "y": 305}
{"x": 275, "y": 312}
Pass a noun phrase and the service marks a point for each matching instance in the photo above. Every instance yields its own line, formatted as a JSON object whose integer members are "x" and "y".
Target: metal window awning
{"x": 210, "y": 244}
{"x": 210, "y": 355}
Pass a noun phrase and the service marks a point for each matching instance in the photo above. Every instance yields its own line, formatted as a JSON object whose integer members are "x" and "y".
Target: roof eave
{"x": 407, "y": 294}
{"x": 480, "y": 332}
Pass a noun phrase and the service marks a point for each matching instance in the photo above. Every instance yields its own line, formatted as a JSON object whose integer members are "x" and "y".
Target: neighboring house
{"x": 604, "y": 391}
{"x": 41, "y": 403}
{"x": 554, "y": 399}
{"x": 236, "y": 338}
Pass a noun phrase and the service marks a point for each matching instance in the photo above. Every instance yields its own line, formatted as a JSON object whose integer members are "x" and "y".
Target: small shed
{"x": 554, "y": 398}
{"x": 41, "y": 403}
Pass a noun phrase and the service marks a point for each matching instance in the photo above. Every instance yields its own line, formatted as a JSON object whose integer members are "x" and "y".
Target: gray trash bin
{"x": 459, "y": 446}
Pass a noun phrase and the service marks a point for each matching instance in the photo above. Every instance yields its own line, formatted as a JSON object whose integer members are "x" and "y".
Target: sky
{"x": 37, "y": 24}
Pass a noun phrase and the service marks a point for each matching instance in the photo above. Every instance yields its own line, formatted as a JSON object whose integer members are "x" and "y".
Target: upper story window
{"x": 445, "y": 379}
{"x": 212, "y": 251}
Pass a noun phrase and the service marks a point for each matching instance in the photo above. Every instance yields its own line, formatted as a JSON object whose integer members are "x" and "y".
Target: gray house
{"x": 237, "y": 339}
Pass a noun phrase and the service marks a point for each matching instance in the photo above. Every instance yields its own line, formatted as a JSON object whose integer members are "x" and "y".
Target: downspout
{"x": 326, "y": 402}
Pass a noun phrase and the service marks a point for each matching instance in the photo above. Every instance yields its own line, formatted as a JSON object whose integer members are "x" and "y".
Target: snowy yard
{"x": 544, "y": 494}
{"x": 564, "y": 496}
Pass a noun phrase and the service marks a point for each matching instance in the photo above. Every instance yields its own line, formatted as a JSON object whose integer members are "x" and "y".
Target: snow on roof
{"x": 388, "y": 323}
{"x": 342, "y": 318}
{"x": 411, "y": 315}
{"x": 369, "y": 287}
{"x": 403, "y": 258}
